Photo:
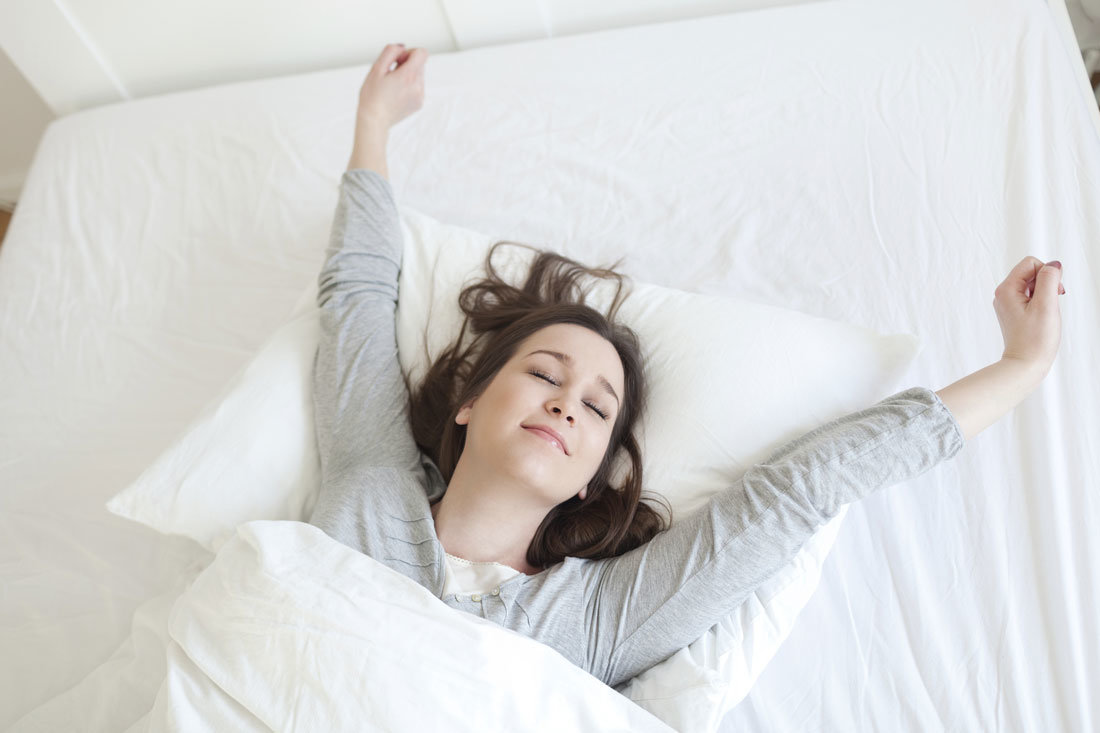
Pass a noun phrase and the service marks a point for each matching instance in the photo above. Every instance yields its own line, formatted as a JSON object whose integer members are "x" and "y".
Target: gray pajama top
{"x": 614, "y": 617}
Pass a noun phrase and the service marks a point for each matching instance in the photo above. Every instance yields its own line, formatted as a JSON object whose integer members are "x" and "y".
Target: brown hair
{"x": 608, "y": 521}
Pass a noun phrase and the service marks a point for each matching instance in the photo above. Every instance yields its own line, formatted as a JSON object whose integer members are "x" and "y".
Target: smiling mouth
{"x": 547, "y": 437}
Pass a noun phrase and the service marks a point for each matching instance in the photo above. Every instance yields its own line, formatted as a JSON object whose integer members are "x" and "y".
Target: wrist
{"x": 369, "y": 149}
{"x": 1027, "y": 373}
{"x": 371, "y": 128}
{"x": 980, "y": 399}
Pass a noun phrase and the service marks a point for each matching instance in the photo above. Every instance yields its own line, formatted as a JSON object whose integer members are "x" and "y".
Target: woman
{"x": 489, "y": 483}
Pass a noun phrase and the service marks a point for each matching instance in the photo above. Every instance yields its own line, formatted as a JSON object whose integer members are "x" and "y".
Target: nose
{"x": 557, "y": 410}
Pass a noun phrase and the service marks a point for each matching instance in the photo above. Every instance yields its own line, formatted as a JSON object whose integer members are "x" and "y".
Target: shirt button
{"x": 475, "y": 597}
{"x": 496, "y": 591}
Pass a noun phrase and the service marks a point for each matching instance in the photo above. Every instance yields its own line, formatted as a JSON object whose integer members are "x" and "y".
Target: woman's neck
{"x": 482, "y": 521}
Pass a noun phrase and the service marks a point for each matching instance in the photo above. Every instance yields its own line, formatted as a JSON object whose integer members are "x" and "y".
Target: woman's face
{"x": 562, "y": 394}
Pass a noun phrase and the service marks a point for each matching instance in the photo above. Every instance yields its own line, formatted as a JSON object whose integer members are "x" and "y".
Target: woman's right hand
{"x": 389, "y": 96}
{"x": 1026, "y": 304}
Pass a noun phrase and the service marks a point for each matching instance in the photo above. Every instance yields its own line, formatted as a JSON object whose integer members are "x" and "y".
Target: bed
{"x": 877, "y": 164}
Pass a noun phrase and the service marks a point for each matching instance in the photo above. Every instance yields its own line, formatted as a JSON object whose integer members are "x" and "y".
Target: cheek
{"x": 527, "y": 396}
{"x": 503, "y": 392}
{"x": 508, "y": 402}
{"x": 518, "y": 396}
{"x": 597, "y": 445}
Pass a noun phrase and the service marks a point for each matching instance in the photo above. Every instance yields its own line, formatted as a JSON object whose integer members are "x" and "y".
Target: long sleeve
{"x": 360, "y": 399}
{"x": 646, "y": 604}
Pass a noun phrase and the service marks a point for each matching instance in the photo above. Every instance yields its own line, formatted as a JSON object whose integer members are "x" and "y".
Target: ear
{"x": 583, "y": 493}
{"x": 463, "y": 416}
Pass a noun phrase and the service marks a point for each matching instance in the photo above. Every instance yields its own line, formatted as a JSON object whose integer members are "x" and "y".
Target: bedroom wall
{"x": 23, "y": 118}
{"x": 62, "y": 56}
{"x": 1085, "y": 17}
{"x": 76, "y": 54}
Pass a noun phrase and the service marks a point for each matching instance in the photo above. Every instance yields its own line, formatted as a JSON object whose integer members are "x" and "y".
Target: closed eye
{"x": 548, "y": 378}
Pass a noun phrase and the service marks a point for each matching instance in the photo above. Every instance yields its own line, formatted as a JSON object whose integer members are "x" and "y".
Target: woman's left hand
{"x": 389, "y": 96}
{"x": 1026, "y": 304}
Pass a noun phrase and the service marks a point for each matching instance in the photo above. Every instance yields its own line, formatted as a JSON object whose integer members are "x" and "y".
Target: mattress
{"x": 881, "y": 164}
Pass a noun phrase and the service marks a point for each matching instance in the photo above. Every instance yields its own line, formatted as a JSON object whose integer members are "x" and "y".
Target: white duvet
{"x": 288, "y": 629}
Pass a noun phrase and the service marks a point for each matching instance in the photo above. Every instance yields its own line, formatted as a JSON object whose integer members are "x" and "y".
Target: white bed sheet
{"x": 884, "y": 164}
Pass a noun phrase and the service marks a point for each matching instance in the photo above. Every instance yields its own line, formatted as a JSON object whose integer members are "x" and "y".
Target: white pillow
{"x": 252, "y": 454}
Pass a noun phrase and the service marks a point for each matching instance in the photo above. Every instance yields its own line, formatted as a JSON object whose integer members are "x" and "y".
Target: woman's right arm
{"x": 369, "y": 150}
{"x": 386, "y": 97}
{"x": 360, "y": 398}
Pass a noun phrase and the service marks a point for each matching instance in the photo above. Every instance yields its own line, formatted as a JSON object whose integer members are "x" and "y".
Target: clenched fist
{"x": 389, "y": 95}
{"x": 1026, "y": 304}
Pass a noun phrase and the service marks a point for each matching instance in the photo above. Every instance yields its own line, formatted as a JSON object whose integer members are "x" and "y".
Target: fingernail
{"x": 1055, "y": 263}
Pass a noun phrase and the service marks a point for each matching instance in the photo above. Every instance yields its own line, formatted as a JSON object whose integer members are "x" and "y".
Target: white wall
{"x": 66, "y": 55}
{"x": 1085, "y": 16}
{"x": 76, "y": 54}
{"x": 22, "y": 121}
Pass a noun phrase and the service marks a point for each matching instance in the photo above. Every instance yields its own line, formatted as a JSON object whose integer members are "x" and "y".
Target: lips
{"x": 545, "y": 431}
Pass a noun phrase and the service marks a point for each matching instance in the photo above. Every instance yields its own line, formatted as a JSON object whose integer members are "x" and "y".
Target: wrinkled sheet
{"x": 879, "y": 163}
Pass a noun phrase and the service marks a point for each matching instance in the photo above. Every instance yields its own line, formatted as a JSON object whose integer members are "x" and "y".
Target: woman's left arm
{"x": 1026, "y": 304}
{"x": 980, "y": 399}
{"x": 644, "y": 605}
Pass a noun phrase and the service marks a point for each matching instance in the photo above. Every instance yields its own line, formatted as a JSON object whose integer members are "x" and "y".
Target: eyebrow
{"x": 568, "y": 361}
